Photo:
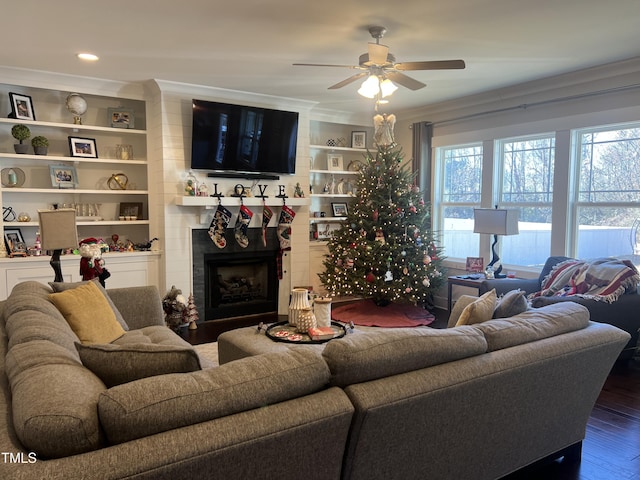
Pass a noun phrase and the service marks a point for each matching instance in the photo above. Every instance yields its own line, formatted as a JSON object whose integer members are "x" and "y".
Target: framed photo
{"x": 358, "y": 139}
{"x": 335, "y": 162}
{"x": 131, "y": 210}
{"x": 325, "y": 230}
{"x": 63, "y": 176}
{"x": 121, "y": 118}
{"x": 475, "y": 264}
{"x": 83, "y": 147}
{"x": 14, "y": 242}
{"x": 339, "y": 209}
{"x": 21, "y": 106}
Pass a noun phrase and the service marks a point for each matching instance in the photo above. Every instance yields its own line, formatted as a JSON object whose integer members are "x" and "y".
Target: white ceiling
{"x": 250, "y": 45}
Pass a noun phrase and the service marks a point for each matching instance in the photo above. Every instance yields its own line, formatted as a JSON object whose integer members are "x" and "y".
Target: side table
{"x": 473, "y": 281}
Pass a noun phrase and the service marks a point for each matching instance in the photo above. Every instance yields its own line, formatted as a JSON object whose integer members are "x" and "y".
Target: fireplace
{"x": 235, "y": 281}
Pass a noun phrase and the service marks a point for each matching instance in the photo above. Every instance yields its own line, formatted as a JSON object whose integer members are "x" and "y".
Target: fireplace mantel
{"x": 228, "y": 201}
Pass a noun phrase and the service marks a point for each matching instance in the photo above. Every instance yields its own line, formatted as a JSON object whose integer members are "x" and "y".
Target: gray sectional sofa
{"x": 475, "y": 401}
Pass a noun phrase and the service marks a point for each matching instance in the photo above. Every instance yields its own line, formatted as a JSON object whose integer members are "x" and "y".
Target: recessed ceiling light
{"x": 90, "y": 57}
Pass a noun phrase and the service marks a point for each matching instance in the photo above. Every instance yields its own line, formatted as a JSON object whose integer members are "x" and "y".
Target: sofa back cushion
{"x": 534, "y": 324}
{"x": 157, "y": 404}
{"x": 117, "y": 364}
{"x": 53, "y": 400}
{"x": 369, "y": 355}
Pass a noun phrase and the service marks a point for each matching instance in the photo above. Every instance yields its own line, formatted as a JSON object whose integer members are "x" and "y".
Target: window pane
{"x": 527, "y": 170}
{"x": 457, "y": 233}
{"x": 607, "y": 232}
{"x": 532, "y": 245}
{"x": 462, "y": 172}
{"x": 606, "y": 159}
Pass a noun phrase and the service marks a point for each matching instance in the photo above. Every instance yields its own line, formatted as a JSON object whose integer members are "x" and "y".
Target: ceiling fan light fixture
{"x": 370, "y": 87}
{"x": 387, "y": 87}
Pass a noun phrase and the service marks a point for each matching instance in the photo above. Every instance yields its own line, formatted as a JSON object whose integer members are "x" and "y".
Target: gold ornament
{"x": 118, "y": 181}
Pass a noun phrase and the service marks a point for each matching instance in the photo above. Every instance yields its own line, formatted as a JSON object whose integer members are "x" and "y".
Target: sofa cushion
{"x": 64, "y": 286}
{"x": 116, "y": 364}
{"x": 479, "y": 311}
{"x": 54, "y": 400}
{"x": 510, "y": 304}
{"x": 534, "y": 324}
{"x": 369, "y": 355}
{"x": 157, "y": 404}
{"x": 88, "y": 313}
{"x": 458, "y": 308}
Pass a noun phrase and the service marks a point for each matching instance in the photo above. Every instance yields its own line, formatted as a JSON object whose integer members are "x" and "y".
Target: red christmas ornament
{"x": 370, "y": 277}
{"x": 375, "y": 215}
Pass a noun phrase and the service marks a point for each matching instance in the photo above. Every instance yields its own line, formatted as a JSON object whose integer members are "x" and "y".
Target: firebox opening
{"x": 238, "y": 286}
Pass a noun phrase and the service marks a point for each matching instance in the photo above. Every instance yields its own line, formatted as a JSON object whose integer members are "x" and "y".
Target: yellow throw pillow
{"x": 88, "y": 313}
{"x": 479, "y": 311}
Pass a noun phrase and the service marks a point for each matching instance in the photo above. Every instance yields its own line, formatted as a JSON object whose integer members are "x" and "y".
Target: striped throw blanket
{"x": 603, "y": 279}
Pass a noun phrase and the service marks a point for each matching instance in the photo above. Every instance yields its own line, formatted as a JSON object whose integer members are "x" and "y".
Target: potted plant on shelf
{"x": 20, "y": 133}
{"x": 40, "y": 145}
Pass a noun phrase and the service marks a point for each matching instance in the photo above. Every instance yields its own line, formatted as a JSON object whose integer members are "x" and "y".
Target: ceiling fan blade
{"x": 323, "y": 65}
{"x": 433, "y": 65}
{"x": 378, "y": 53}
{"x": 348, "y": 80}
{"x": 405, "y": 81}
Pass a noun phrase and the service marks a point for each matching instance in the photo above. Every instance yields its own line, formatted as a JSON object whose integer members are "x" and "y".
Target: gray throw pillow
{"x": 58, "y": 287}
{"x": 510, "y": 304}
{"x": 117, "y": 364}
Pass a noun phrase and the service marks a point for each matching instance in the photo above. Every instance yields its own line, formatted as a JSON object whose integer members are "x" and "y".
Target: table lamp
{"x": 495, "y": 221}
{"x": 58, "y": 232}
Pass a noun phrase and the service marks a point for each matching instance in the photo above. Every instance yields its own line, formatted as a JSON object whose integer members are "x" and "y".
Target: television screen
{"x": 237, "y": 138}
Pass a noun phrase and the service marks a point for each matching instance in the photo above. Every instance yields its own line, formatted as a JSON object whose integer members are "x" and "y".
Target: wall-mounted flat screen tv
{"x": 238, "y": 138}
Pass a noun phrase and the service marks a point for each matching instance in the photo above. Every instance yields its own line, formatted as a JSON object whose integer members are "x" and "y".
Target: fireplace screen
{"x": 244, "y": 283}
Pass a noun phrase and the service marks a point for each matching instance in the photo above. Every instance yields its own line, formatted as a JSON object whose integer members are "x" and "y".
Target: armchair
{"x": 623, "y": 313}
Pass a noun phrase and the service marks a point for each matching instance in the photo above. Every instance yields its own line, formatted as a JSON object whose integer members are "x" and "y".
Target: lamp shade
{"x": 370, "y": 87}
{"x": 495, "y": 221}
{"x": 58, "y": 229}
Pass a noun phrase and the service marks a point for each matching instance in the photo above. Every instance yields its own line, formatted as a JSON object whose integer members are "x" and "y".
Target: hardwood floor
{"x": 611, "y": 449}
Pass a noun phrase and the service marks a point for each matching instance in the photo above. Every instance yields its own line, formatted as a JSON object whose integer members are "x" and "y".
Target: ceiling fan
{"x": 378, "y": 62}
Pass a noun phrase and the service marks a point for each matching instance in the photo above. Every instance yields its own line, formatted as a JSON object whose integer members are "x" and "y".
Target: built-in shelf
{"x": 61, "y": 158}
{"x": 326, "y": 219}
{"x": 338, "y": 149}
{"x": 334, "y": 172}
{"x": 73, "y": 127}
{"x": 73, "y": 191}
{"x": 187, "y": 201}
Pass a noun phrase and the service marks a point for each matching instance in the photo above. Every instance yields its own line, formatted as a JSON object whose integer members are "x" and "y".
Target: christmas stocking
{"x": 284, "y": 227}
{"x": 219, "y": 225}
{"x": 267, "y": 213}
{"x": 242, "y": 224}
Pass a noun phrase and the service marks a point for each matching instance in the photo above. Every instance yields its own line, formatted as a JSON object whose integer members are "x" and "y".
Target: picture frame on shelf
{"x": 83, "y": 147}
{"x": 63, "y": 176}
{"x": 128, "y": 210}
{"x": 325, "y": 230}
{"x": 121, "y": 117}
{"x": 21, "y": 106}
{"x": 359, "y": 139}
{"x": 335, "y": 162}
{"x": 339, "y": 209}
{"x": 14, "y": 242}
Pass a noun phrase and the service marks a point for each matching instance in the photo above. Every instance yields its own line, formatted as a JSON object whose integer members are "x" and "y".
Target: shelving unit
{"x": 319, "y": 176}
{"x": 53, "y": 121}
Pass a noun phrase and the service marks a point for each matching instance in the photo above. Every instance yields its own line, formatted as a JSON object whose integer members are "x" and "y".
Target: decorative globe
{"x": 77, "y": 105}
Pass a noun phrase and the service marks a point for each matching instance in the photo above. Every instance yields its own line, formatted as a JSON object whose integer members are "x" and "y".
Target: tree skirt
{"x": 367, "y": 314}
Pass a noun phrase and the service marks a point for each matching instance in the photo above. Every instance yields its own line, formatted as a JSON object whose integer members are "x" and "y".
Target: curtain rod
{"x": 524, "y": 106}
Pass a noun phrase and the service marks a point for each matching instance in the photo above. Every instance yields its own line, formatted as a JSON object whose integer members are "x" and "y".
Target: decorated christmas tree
{"x": 385, "y": 249}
